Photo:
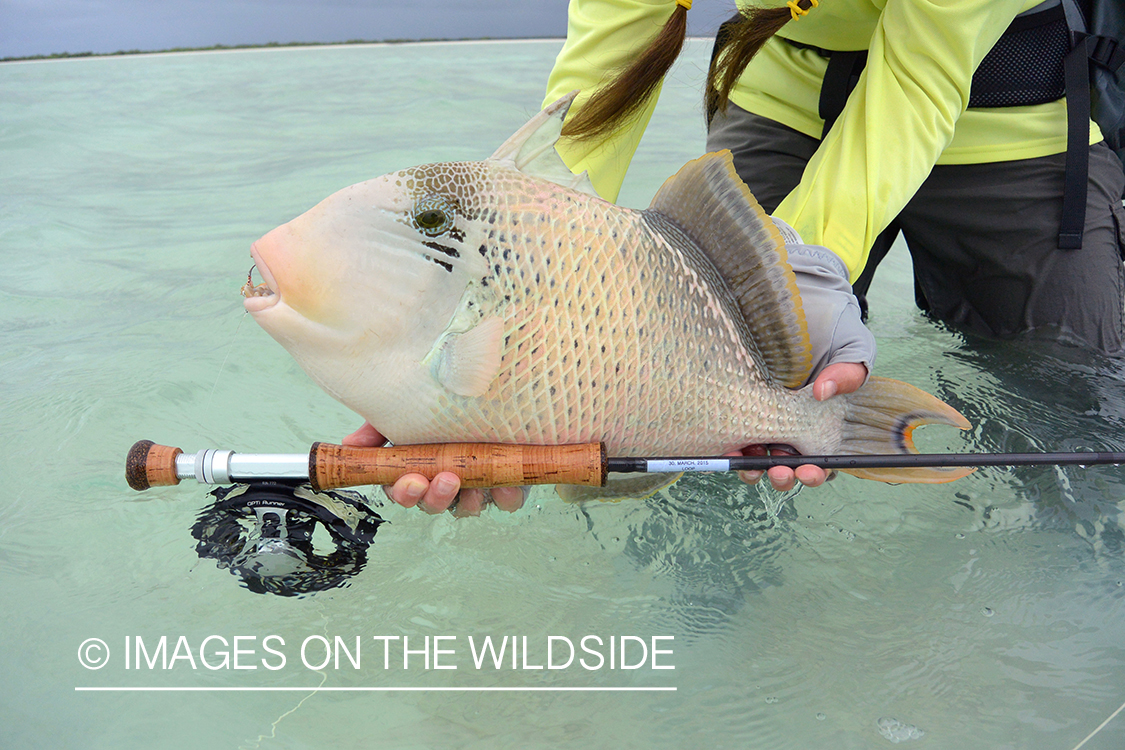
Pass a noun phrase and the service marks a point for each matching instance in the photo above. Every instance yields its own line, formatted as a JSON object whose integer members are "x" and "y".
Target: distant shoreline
{"x": 268, "y": 45}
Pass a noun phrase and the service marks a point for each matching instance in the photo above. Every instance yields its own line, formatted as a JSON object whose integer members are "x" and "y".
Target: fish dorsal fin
{"x": 709, "y": 202}
{"x": 531, "y": 149}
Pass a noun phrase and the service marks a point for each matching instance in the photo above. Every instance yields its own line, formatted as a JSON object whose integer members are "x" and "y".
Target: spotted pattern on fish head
{"x": 442, "y": 201}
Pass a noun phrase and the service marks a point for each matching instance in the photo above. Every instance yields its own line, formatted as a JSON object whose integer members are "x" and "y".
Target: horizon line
{"x": 370, "y": 689}
{"x": 57, "y": 56}
{"x": 270, "y": 45}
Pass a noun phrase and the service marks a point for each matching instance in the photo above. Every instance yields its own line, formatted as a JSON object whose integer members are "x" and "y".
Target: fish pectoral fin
{"x": 531, "y": 149}
{"x": 619, "y": 487}
{"x": 467, "y": 363}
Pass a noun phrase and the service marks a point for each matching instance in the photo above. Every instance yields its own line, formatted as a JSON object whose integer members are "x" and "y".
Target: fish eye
{"x": 432, "y": 216}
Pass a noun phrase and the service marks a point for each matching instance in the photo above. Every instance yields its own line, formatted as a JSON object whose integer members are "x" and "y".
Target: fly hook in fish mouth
{"x": 249, "y": 289}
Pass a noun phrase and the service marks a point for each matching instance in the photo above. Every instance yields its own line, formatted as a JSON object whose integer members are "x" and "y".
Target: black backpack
{"x": 1071, "y": 48}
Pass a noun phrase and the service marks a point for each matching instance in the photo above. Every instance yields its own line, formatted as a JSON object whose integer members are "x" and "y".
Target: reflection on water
{"x": 989, "y": 612}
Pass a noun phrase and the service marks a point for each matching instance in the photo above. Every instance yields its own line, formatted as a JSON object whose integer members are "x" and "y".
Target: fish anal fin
{"x": 708, "y": 201}
{"x": 618, "y": 487}
{"x": 466, "y": 363}
{"x": 932, "y": 475}
{"x": 531, "y": 149}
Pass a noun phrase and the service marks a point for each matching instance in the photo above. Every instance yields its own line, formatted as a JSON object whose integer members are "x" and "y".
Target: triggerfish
{"x": 504, "y": 301}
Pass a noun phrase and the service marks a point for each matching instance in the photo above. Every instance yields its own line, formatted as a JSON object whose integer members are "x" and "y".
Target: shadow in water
{"x": 268, "y": 534}
{"x": 718, "y": 543}
{"x": 1044, "y": 396}
{"x": 713, "y": 539}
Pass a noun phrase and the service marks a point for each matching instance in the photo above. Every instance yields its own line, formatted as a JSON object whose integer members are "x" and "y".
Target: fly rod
{"x": 328, "y": 466}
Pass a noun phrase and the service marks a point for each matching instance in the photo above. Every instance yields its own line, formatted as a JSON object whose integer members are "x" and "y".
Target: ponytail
{"x": 742, "y": 40}
{"x": 620, "y": 99}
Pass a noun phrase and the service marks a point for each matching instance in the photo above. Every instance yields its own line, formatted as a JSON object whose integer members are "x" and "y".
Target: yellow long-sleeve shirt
{"x": 907, "y": 113}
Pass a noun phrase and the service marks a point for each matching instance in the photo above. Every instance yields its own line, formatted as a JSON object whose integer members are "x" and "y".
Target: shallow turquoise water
{"x": 987, "y": 613}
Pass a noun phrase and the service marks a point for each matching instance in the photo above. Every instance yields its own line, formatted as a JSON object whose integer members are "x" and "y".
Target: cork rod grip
{"x": 151, "y": 465}
{"x": 478, "y": 464}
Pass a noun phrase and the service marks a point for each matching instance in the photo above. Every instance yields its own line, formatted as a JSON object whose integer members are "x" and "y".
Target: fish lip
{"x": 258, "y": 304}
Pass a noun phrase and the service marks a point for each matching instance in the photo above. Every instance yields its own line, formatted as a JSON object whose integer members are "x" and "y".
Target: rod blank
{"x": 874, "y": 461}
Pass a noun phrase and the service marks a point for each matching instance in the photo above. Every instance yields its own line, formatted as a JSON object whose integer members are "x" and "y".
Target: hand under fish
{"x": 444, "y": 492}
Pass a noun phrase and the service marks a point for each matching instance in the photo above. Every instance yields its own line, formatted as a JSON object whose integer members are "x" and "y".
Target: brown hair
{"x": 621, "y": 98}
{"x": 733, "y": 53}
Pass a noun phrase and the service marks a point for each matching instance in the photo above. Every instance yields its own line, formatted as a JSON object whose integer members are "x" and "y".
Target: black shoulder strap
{"x": 1076, "y": 70}
{"x": 1087, "y": 50}
{"x": 840, "y": 78}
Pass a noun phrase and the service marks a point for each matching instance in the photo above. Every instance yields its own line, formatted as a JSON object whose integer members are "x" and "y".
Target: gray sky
{"x": 42, "y": 27}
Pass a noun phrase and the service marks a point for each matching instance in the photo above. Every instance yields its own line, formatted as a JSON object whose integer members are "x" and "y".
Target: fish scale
{"x": 612, "y": 352}
{"x": 503, "y": 301}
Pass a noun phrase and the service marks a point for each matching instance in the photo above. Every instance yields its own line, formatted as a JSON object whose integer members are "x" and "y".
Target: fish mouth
{"x": 259, "y": 297}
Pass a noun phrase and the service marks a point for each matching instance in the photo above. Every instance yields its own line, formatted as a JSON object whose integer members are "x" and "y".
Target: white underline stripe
{"x": 376, "y": 689}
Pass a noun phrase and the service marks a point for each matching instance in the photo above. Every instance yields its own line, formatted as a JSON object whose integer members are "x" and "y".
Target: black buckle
{"x": 1108, "y": 53}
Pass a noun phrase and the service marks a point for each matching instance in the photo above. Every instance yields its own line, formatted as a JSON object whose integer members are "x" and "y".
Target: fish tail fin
{"x": 881, "y": 419}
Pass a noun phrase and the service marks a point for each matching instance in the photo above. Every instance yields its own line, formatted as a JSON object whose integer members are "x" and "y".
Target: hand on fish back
{"x": 504, "y": 301}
